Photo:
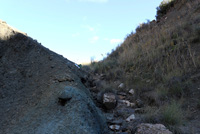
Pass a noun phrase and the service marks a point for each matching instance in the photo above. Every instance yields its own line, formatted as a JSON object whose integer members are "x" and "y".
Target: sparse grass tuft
{"x": 172, "y": 114}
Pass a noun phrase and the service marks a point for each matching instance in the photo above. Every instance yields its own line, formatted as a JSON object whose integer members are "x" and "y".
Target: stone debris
{"x": 146, "y": 128}
{"x": 109, "y": 100}
{"x": 114, "y": 127}
{"x": 130, "y": 118}
{"x": 132, "y": 91}
{"x": 127, "y": 103}
{"x": 122, "y": 93}
{"x": 121, "y": 86}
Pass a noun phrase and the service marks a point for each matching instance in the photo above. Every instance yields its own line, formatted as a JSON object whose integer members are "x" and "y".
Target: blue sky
{"x": 78, "y": 29}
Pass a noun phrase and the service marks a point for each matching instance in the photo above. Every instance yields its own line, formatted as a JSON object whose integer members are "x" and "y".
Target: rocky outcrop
{"x": 146, "y": 128}
{"x": 7, "y": 31}
{"x": 42, "y": 92}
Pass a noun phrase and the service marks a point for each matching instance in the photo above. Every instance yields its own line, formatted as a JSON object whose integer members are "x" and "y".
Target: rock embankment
{"x": 42, "y": 92}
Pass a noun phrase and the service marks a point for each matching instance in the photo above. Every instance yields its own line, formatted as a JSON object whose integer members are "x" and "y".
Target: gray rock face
{"x": 78, "y": 116}
{"x": 146, "y": 128}
{"x": 6, "y": 31}
{"x": 42, "y": 92}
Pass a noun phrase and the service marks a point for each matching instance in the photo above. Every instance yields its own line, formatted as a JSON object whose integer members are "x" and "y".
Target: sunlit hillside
{"x": 161, "y": 61}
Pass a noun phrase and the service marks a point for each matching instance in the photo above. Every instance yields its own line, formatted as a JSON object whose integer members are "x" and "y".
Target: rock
{"x": 122, "y": 93}
{"x": 51, "y": 101}
{"x": 6, "y": 31}
{"x": 114, "y": 127}
{"x": 130, "y": 118}
{"x": 146, "y": 128}
{"x": 127, "y": 103}
{"x": 109, "y": 100}
{"x": 132, "y": 91}
{"x": 121, "y": 86}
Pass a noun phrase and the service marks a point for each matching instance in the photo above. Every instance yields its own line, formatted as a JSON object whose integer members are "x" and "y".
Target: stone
{"x": 52, "y": 101}
{"x": 121, "y": 86}
{"x": 114, "y": 127}
{"x": 109, "y": 100}
{"x": 127, "y": 103}
{"x": 130, "y": 118}
{"x": 131, "y": 91}
{"x": 146, "y": 128}
{"x": 122, "y": 93}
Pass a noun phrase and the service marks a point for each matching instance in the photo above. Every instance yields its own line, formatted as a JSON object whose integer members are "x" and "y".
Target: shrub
{"x": 172, "y": 114}
{"x": 164, "y": 8}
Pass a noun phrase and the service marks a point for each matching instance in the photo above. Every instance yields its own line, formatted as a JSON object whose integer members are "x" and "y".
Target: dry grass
{"x": 157, "y": 51}
{"x": 161, "y": 55}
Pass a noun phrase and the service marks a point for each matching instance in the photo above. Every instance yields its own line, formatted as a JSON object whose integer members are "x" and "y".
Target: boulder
{"x": 146, "y": 128}
{"x": 42, "y": 92}
{"x": 109, "y": 100}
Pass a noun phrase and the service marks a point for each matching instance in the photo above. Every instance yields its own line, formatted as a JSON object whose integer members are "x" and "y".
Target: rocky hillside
{"x": 42, "y": 92}
{"x": 161, "y": 63}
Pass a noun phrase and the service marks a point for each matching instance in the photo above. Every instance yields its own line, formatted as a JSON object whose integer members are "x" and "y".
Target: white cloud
{"x": 94, "y": 39}
{"x": 94, "y": 1}
{"x": 116, "y": 41}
